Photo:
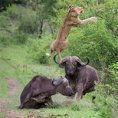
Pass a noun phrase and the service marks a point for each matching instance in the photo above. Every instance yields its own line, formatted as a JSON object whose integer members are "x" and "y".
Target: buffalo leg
{"x": 79, "y": 90}
{"x": 48, "y": 101}
{"x": 25, "y": 101}
{"x": 21, "y": 106}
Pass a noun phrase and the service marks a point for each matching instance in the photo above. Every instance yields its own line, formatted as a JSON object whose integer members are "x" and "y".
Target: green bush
{"x": 105, "y": 112}
{"x": 8, "y": 38}
{"x": 20, "y": 37}
{"x": 42, "y": 58}
{"x": 12, "y": 12}
{"x": 109, "y": 78}
{"x": 94, "y": 42}
{"x": 38, "y": 48}
{"x": 5, "y": 38}
{"x": 113, "y": 79}
{"x": 4, "y": 22}
{"x": 28, "y": 23}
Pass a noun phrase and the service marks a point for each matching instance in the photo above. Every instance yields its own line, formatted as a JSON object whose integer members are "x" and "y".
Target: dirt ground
{"x": 13, "y": 85}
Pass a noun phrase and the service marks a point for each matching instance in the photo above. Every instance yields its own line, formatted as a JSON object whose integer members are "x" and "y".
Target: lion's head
{"x": 76, "y": 9}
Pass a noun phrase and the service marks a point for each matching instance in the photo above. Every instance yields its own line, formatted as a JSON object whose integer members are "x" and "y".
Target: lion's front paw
{"x": 93, "y": 19}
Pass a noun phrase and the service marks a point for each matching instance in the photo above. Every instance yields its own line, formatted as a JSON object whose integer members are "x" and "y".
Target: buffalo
{"x": 37, "y": 93}
{"x": 81, "y": 76}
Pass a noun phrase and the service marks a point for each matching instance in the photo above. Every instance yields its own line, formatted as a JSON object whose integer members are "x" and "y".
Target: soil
{"x": 8, "y": 113}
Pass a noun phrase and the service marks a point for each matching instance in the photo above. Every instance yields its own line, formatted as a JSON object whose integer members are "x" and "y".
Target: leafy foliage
{"x": 95, "y": 43}
{"x": 28, "y": 23}
{"x": 37, "y": 49}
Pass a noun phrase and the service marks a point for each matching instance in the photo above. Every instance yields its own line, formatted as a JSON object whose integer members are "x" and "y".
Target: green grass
{"x": 2, "y": 115}
{"x": 3, "y": 87}
{"x": 26, "y": 68}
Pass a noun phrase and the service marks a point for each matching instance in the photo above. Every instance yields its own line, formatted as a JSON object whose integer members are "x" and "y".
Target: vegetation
{"x": 26, "y": 30}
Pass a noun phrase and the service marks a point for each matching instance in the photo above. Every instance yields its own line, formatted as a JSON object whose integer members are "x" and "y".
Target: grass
{"x": 3, "y": 88}
{"x": 15, "y": 62}
{"x": 2, "y": 115}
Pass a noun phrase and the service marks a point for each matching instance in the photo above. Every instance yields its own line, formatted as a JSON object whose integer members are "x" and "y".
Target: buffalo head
{"x": 70, "y": 63}
{"x": 62, "y": 86}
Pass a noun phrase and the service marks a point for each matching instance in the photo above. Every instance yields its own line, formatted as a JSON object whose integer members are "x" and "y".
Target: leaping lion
{"x": 71, "y": 19}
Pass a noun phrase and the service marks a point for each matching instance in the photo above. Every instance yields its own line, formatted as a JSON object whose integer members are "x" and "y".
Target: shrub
{"x": 41, "y": 57}
{"x": 28, "y": 23}
{"x": 113, "y": 70}
{"x": 12, "y": 12}
{"x": 94, "y": 42}
{"x": 21, "y": 37}
{"x": 38, "y": 48}
{"x": 5, "y": 38}
{"x": 4, "y": 21}
{"x": 105, "y": 112}
{"x": 109, "y": 78}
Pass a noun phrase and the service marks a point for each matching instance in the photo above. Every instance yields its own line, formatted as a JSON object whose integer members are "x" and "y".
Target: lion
{"x": 71, "y": 19}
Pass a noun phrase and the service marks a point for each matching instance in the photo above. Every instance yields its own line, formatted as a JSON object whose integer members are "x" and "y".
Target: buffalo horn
{"x": 54, "y": 58}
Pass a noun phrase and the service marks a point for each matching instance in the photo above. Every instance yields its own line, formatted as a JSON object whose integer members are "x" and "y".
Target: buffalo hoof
{"x": 20, "y": 107}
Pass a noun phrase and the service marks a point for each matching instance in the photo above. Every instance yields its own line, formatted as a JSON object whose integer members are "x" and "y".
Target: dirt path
{"x": 13, "y": 85}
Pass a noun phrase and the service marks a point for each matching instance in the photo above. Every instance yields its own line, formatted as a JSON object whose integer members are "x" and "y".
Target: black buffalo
{"x": 81, "y": 76}
{"x": 37, "y": 93}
